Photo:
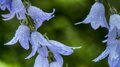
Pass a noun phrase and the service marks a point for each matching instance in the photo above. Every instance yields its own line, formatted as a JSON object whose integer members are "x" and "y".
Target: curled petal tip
{"x": 28, "y": 57}
{"x": 104, "y": 41}
{"x": 78, "y": 23}
{"x": 76, "y": 47}
{"x": 95, "y": 60}
{"x": 7, "y": 44}
{"x": 53, "y": 10}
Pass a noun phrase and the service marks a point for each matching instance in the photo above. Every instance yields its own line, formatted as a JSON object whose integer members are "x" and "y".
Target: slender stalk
{"x": 112, "y": 9}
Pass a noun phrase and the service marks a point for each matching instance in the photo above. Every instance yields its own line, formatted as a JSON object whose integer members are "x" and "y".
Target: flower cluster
{"x": 27, "y": 33}
{"x": 96, "y": 18}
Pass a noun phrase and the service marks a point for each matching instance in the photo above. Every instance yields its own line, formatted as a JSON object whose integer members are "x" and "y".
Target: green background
{"x": 62, "y": 29}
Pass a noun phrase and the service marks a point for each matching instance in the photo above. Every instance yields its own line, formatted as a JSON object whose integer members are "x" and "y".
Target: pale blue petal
{"x": 96, "y": 16}
{"x": 39, "y": 16}
{"x": 60, "y": 48}
{"x": 37, "y": 40}
{"x": 54, "y": 64}
{"x": 5, "y": 4}
{"x": 24, "y": 38}
{"x": 43, "y": 51}
{"x": 58, "y": 59}
{"x": 13, "y": 41}
{"x": 41, "y": 62}
{"x": 103, "y": 55}
{"x": 21, "y": 35}
{"x": 114, "y": 21}
{"x": 19, "y": 9}
{"x": 113, "y": 56}
{"x": 34, "y": 49}
{"x": 8, "y": 16}
{"x": 16, "y": 7}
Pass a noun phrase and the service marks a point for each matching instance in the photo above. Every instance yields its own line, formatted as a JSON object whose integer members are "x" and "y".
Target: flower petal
{"x": 43, "y": 51}
{"x": 60, "y": 48}
{"x": 13, "y": 41}
{"x": 41, "y": 62}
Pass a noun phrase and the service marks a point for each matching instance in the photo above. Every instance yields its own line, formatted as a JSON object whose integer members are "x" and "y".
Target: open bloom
{"x": 18, "y": 9}
{"x": 38, "y": 15}
{"x": 22, "y": 35}
{"x": 42, "y": 46}
{"x": 96, "y": 16}
{"x": 113, "y": 43}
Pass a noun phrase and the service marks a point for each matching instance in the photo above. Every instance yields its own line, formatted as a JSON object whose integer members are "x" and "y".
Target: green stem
{"x": 112, "y": 9}
{"x": 30, "y": 24}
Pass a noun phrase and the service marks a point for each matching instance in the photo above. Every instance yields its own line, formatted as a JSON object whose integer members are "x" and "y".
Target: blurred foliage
{"x": 60, "y": 28}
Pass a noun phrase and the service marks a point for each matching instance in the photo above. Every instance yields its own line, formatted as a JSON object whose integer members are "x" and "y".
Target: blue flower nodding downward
{"x": 112, "y": 50}
{"x": 43, "y": 46}
{"x": 22, "y": 35}
{"x": 113, "y": 43}
{"x": 38, "y": 15}
{"x": 18, "y": 9}
{"x": 96, "y": 16}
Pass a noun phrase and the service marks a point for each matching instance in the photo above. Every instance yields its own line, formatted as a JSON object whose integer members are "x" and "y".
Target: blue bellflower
{"x": 5, "y": 4}
{"x": 113, "y": 43}
{"x": 38, "y": 15}
{"x": 43, "y": 46}
{"x": 18, "y": 9}
{"x": 112, "y": 50}
{"x": 96, "y": 16}
{"x": 22, "y": 35}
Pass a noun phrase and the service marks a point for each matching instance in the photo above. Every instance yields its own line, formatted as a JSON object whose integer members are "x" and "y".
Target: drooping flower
{"x": 42, "y": 46}
{"x": 38, "y": 15}
{"x": 22, "y": 35}
{"x": 96, "y": 16}
{"x": 112, "y": 50}
{"x": 37, "y": 40}
{"x": 18, "y": 9}
{"x": 5, "y": 4}
{"x": 113, "y": 43}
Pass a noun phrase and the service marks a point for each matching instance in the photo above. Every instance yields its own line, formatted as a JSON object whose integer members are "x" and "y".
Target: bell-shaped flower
{"x": 37, "y": 40}
{"x": 22, "y": 35}
{"x": 5, "y": 4}
{"x": 38, "y": 15}
{"x": 96, "y": 16}
{"x": 113, "y": 53}
{"x": 58, "y": 49}
{"x": 18, "y": 9}
{"x": 112, "y": 50}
